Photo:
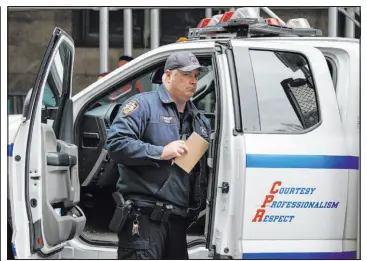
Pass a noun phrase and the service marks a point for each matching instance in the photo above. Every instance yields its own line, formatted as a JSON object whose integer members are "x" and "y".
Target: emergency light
{"x": 204, "y": 22}
{"x": 226, "y": 16}
{"x": 273, "y": 21}
{"x": 298, "y": 23}
{"x": 245, "y": 22}
{"x": 215, "y": 20}
{"x": 245, "y": 12}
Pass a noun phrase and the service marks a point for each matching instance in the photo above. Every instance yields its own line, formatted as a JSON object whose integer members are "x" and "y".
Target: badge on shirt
{"x": 129, "y": 108}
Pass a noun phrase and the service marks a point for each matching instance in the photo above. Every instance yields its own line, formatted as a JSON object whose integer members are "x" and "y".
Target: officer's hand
{"x": 174, "y": 150}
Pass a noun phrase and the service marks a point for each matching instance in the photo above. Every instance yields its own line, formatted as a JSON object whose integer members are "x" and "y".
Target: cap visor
{"x": 193, "y": 67}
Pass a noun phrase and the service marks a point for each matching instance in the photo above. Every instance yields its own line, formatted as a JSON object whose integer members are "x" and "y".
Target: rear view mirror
{"x": 26, "y": 103}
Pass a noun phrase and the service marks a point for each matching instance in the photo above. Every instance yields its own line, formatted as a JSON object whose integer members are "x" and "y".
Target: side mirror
{"x": 26, "y": 103}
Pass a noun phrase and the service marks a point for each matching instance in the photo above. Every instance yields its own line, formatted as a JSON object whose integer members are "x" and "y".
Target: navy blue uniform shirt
{"x": 144, "y": 125}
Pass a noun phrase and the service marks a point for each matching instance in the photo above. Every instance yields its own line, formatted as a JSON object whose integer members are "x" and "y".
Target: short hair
{"x": 164, "y": 78}
{"x": 126, "y": 58}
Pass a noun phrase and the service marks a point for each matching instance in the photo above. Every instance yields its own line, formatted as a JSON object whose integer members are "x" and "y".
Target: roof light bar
{"x": 298, "y": 23}
{"x": 273, "y": 21}
{"x": 226, "y": 16}
{"x": 246, "y": 12}
{"x": 249, "y": 27}
{"x": 204, "y": 23}
{"x": 215, "y": 19}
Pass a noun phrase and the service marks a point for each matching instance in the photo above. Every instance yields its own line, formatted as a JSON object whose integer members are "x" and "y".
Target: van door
{"x": 43, "y": 178}
{"x": 282, "y": 157}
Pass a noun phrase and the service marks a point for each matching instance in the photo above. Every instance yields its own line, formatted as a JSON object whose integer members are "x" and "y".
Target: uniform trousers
{"x": 156, "y": 239}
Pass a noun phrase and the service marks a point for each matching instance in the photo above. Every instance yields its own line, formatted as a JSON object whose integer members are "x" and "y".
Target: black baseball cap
{"x": 183, "y": 61}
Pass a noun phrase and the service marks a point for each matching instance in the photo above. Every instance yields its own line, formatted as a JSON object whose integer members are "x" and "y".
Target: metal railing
{"x": 16, "y": 102}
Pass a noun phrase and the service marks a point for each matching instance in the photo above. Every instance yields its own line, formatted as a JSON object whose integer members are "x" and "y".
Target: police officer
{"x": 147, "y": 134}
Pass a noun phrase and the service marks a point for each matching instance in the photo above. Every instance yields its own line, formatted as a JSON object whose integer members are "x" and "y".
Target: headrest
{"x": 157, "y": 76}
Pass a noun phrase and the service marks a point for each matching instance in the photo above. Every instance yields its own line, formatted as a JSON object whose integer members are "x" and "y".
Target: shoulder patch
{"x": 204, "y": 131}
{"x": 129, "y": 108}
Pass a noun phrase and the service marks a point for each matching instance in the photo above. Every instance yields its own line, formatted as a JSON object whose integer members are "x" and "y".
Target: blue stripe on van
{"x": 13, "y": 249}
{"x": 10, "y": 149}
{"x": 301, "y": 161}
{"x": 302, "y": 255}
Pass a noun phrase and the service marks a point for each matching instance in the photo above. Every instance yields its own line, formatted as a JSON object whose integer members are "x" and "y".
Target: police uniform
{"x": 145, "y": 124}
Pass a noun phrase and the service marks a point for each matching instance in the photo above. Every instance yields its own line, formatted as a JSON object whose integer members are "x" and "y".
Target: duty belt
{"x": 160, "y": 211}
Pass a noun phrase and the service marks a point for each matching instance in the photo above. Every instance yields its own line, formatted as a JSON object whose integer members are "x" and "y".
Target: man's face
{"x": 182, "y": 84}
{"x": 121, "y": 63}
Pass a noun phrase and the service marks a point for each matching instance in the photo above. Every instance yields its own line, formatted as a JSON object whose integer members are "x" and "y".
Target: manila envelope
{"x": 197, "y": 146}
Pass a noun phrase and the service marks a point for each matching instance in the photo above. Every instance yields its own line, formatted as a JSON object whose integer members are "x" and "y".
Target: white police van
{"x": 284, "y": 175}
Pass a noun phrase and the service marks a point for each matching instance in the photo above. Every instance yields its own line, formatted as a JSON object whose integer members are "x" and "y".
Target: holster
{"x": 122, "y": 212}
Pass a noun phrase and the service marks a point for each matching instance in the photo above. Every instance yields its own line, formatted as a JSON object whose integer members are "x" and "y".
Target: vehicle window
{"x": 204, "y": 98}
{"x": 49, "y": 98}
{"x": 207, "y": 103}
{"x": 148, "y": 81}
{"x": 143, "y": 83}
{"x": 285, "y": 91}
{"x": 205, "y": 95}
{"x": 55, "y": 84}
{"x": 332, "y": 69}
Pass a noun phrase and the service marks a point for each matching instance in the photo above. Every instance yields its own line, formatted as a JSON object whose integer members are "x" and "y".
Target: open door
{"x": 43, "y": 177}
{"x": 283, "y": 170}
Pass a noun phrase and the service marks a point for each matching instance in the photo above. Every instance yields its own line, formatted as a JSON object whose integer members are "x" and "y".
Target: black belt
{"x": 160, "y": 211}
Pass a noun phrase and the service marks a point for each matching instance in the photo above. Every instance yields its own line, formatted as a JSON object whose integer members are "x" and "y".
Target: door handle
{"x": 90, "y": 139}
{"x": 90, "y": 135}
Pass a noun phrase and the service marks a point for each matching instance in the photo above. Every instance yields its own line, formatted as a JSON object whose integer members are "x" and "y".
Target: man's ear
{"x": 168, "y": 75}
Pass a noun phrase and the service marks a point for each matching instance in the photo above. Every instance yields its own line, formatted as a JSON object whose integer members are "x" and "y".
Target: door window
{"x": 55, "y": 84}
{"x": 285, "y": 91}
{"x": 205, "y": 95}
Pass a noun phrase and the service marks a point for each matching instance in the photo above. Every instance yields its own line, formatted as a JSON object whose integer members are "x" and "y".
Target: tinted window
{"x": 285, "y": 91}
{"x": 56, "y": 81}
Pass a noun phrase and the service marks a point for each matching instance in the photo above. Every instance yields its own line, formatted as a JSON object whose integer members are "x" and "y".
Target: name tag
{"x": 167, "y": 119}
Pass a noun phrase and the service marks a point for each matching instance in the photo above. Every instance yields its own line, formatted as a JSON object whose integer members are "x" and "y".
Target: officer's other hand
{"x": 174, "y": 149}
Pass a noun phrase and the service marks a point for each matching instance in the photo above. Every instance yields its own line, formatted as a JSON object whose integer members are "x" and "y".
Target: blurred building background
{"x": 29, "y": 31}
